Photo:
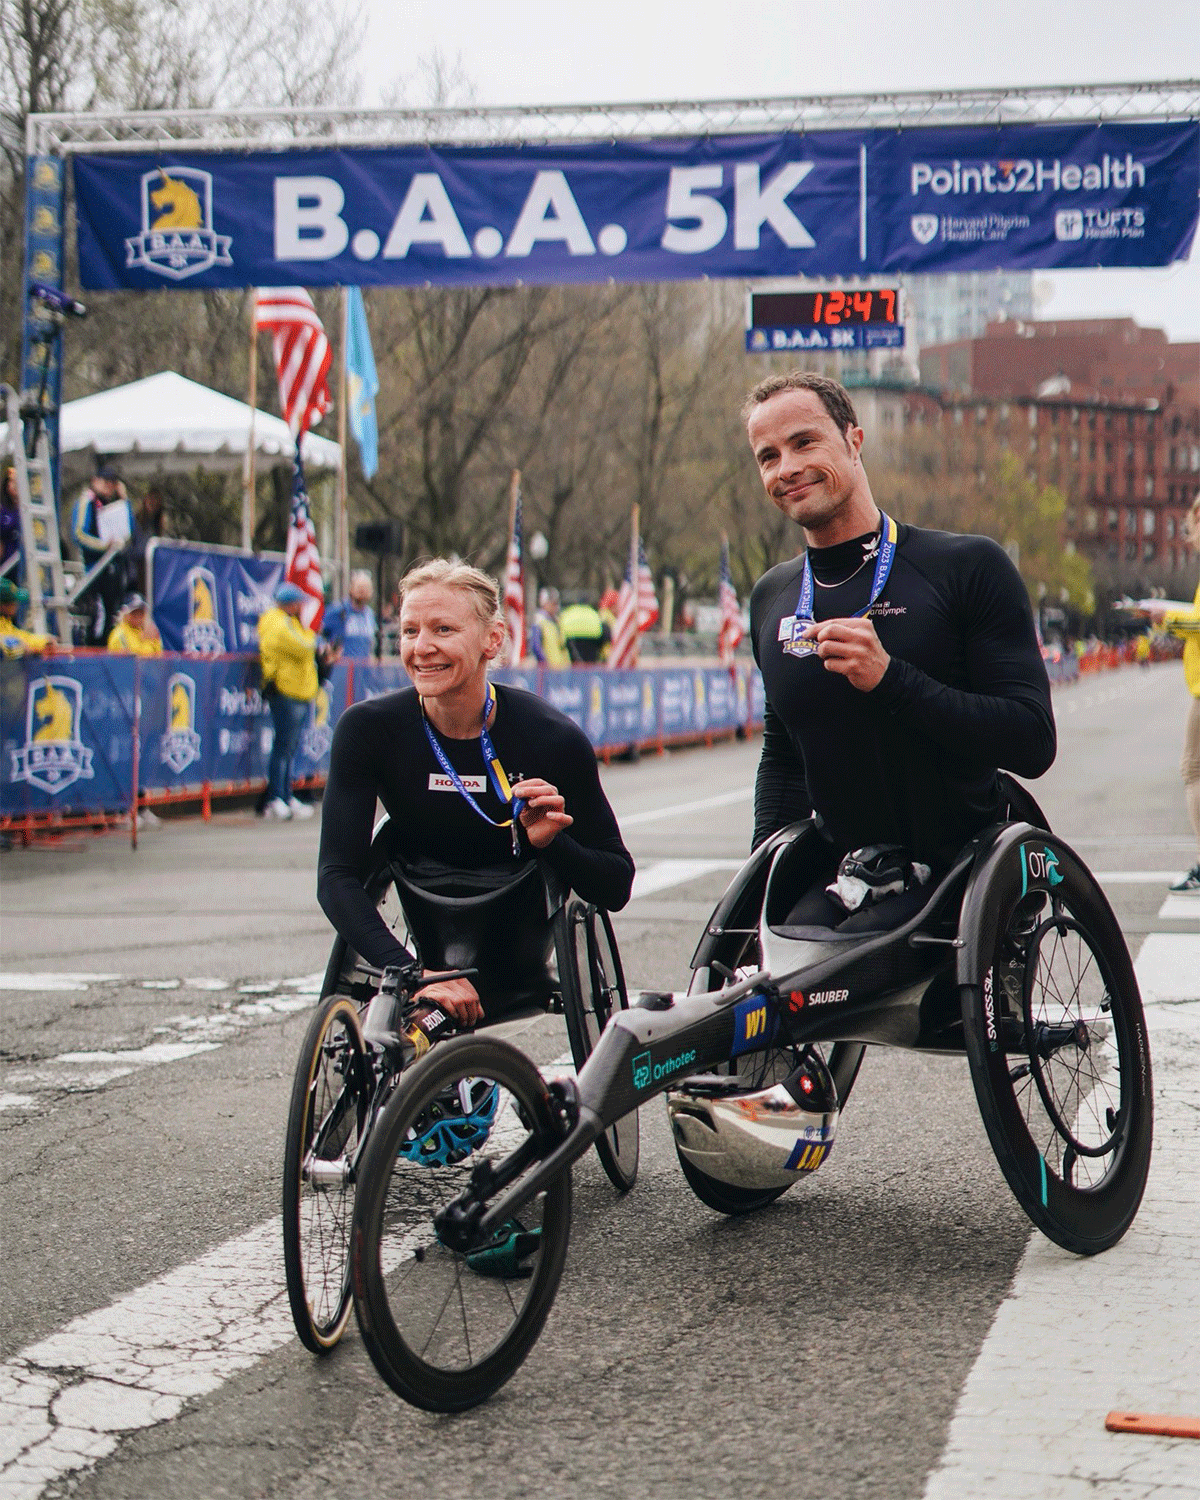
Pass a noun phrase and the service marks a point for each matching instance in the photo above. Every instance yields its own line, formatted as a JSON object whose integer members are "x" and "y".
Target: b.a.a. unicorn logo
{"x": 595, "y": 711}
{"x": 53, "y": 756}
{"x": 700, "y": 700}
{"x": 649, "y": 708}
{"x": 177, "y": 238}
{"x": 180, "y": 746}
{"x": 202, "y": 634}
{"x": 318, "y": 733}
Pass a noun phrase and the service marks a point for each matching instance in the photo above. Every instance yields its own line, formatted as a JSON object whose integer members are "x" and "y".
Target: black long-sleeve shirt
{"x": 913, "y": 761}
{"x": 380, "y": 750}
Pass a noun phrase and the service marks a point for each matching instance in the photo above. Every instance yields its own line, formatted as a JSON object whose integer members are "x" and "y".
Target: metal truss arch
{"x": 67, "y": 134}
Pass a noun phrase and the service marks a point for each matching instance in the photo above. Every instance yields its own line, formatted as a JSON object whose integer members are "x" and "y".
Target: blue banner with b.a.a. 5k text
{"x": 844, "y": 203}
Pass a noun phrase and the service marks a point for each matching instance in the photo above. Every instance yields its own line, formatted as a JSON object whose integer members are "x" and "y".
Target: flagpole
{"x": 341, "y": 548}
{"x": 248, "y": 465}
{"x": 635, "y": 516}
{"x": 515, "y": 648}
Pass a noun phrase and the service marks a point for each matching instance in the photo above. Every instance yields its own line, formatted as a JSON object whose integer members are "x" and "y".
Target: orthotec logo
{"x": 1039, "y": 866}
{"x": 645, "y": 1071}
{"x": 177, "y": 238}
{"x": 1068, "y": 224}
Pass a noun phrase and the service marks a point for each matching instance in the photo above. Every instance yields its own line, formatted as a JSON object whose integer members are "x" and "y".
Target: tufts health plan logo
{"x": 178, "y": 238}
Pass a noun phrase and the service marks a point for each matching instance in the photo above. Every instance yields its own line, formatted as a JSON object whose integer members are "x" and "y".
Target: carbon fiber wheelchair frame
{"x": 529, "y": 946}
{"x": 1015, "y": 959}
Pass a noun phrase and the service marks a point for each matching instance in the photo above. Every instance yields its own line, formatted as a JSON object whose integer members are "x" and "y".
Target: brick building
{"x": 1106, "y": 411}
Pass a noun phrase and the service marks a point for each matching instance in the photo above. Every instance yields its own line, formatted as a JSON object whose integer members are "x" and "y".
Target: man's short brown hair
{"x": 832, "y": 396}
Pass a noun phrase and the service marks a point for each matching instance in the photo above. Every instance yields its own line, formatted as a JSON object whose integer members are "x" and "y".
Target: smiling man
{"x": 901, "y": 666}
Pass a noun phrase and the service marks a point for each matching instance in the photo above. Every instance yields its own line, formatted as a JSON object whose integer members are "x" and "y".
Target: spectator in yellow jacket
{"x": 14, "y": 640}
{"x": 134, "y": 634}
{"x": 1186, "y": 623}
{"x": 287, "y": 651}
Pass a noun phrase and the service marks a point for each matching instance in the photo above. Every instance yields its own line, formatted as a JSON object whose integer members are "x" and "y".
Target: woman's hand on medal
{"x": 851, "y": 648}
{"x": 544, "y": 815}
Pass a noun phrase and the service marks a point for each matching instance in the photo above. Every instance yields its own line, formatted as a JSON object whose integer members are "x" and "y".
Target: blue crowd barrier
{"x": 88, "y": 735}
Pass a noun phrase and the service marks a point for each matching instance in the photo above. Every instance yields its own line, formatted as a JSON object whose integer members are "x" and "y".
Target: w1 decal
{"x": 754, "y": 1025}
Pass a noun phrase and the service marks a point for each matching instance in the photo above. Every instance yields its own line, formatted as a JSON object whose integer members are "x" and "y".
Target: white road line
{"x": 668, "y": 872}
{"x": 1136, "y": 877}
{"x": 1183, "y": 906}
{"x": 83, "y": 1072}
{"x": 12, "y": 980}
{"x": 1077, "y": 1338}
{"x": 678, "y": 809}
{"x": 67, "y": 1401}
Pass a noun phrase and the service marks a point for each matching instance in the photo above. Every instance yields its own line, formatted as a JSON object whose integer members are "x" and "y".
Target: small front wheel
{"x": 446, "y": 1327}
{"x": 329, "y": 1111}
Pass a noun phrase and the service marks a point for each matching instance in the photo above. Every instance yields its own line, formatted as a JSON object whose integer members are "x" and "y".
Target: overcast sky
{"x": 559, "y": 52}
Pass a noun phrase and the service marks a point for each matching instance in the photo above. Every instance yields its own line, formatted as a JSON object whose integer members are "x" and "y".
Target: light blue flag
{"x": 362, "y": 383}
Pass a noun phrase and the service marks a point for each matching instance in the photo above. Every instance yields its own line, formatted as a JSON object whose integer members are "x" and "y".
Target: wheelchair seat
{"x": 493, "y": 919}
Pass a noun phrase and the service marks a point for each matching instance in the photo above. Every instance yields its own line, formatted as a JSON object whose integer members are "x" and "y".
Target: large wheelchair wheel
{"x": 329, "y": 1113}
{"x": 593, "y": 987}
{"x": 1059, "y": 1055}
{"x": 760, "y": 1070}
{"x": 445, "y": 1329}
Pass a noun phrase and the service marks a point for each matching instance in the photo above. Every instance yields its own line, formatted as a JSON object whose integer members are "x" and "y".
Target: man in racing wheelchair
{"x": 479, "y": 783}
{"x": 901, "y": 667}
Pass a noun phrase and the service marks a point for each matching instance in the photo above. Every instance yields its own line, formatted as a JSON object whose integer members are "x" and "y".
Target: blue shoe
{"x": 456, "y": 1123}
{"x": 1191, "y": 881}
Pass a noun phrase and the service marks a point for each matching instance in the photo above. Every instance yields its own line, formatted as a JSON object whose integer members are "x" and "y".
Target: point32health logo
{"x": 178, "y": 238}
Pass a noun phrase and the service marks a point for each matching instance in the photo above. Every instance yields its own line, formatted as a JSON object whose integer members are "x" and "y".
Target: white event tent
{"x": 165, "y": 424}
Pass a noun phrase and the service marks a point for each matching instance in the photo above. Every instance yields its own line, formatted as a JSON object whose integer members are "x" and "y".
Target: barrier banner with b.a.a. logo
{"x": 207, "y": 600}
{"x": 828, "y": 203}
{"x": 66, "y": 734}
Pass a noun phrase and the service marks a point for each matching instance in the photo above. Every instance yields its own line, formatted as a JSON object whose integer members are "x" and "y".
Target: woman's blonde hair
{"x": 484, "y": 591}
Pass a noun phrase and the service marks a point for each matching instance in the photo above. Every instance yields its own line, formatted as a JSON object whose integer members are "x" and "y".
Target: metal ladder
{"x": 45, "y": 577}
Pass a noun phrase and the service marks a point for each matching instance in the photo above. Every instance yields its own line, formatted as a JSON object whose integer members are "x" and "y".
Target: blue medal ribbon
{"x": 794, "y": 643}
{"x": 491, "y": 762}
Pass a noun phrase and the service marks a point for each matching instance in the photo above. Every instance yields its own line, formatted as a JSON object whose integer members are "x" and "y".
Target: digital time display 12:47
{"x": 829, "y": 309}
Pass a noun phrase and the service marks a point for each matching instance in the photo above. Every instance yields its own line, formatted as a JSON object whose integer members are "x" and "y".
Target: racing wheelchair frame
{"x": 1015, "y": 958}
{"x": 529, "y": 946}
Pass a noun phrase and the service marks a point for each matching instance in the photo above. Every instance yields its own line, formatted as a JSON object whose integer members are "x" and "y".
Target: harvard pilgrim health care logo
{"x": 177, "y": 238}
{"x": 53, "y": 756}
{"x": 180, "y": 746}
{"x": 202, "y": 634}
{"x": 924, "y": 228}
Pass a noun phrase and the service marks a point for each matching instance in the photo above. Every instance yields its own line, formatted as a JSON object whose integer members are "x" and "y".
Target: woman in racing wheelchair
{"x": 495, "y": 816}
{"x": 475, "y": 778}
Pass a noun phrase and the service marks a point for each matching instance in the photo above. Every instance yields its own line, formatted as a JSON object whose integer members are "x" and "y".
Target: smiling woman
{"x": 474, "y": 776}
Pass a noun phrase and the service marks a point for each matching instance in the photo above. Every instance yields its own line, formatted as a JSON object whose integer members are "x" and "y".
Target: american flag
{"x": 636, "y": 611}
{"x": 302, "y": 354}
{"x": 731, "y": 615}
{"x": 303, "y": 567}
{"x": 514, "y": 585}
